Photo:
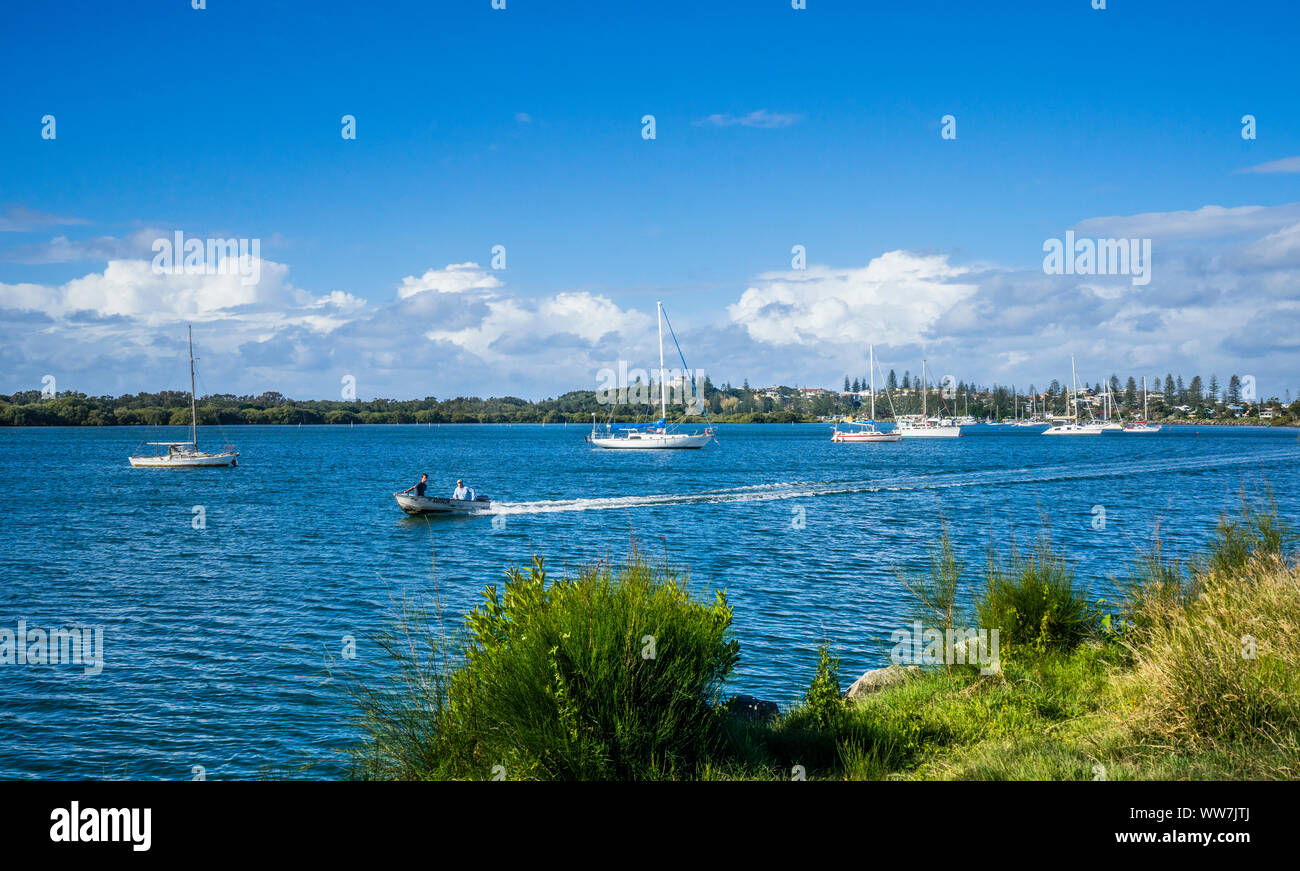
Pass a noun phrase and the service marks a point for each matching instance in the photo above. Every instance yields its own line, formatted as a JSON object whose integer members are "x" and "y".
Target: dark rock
{"x": 753, "y": 709}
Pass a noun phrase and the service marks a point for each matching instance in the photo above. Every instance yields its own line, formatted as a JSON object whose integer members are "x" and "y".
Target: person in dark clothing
{"x": 420, "y": 487}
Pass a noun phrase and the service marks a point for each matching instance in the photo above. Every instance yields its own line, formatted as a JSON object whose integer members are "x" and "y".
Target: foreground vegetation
{"x": 617, "y": 673}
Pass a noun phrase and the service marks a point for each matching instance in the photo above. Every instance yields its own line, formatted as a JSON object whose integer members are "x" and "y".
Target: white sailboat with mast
{"x": 1142, "y": 426}
{"x": 658, "y": 435}
{"x": 922, "y": 425}
{"x": 186, "y": 455}
{"x": 1074, "y": 427}
{"x": 865, "y": 431}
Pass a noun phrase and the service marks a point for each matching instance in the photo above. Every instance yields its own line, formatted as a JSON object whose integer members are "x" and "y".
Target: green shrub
{"x": 608, "y": 675}
{"x": 1032, "y": 601}
{"x": 823, "y": 699}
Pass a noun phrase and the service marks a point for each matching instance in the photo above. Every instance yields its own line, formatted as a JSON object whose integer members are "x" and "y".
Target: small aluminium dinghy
{"x": 414, "y": 505}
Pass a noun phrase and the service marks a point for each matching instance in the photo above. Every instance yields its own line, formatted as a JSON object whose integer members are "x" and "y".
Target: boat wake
{"x": 901, "y": 483}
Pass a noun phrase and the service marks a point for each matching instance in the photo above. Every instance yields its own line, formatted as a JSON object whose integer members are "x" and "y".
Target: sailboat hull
{"x": 185, "y": 461}
{"x": 652, "y": 441}
{"x": 1070, "y": 429}
{"x": 865, "y": 437}
{"x": 930, "y": 432}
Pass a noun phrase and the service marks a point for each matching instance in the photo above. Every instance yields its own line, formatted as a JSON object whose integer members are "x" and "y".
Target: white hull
{"x": 651, "y": 441}
{"x": 1142, "y": 428}
{"x": 929, "y": 432}
{"x": 1072, "y": 429}
{"x": 865, "y": 437}
{"x": 185, "y": 461}
{"x": 435, "y": 505}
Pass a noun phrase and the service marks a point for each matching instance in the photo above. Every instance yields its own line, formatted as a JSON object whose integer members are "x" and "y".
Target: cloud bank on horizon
{"x": 1222, "y": 300}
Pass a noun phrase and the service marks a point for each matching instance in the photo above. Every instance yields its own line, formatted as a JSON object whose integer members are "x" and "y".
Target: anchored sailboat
{"x": 922, "y": 425}
{"x": 1074, "y": 427}
{"x": 658, "y": 435}
{"x": 186, "y": 455}
{"x": 865, "y": 431}
{"x": 1141, "y": 426}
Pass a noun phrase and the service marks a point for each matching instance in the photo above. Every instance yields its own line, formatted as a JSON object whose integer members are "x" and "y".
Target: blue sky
{"x": 774, "y": 127}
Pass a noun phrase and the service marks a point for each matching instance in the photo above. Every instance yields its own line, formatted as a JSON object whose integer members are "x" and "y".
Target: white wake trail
{"x": 815, "y": 489}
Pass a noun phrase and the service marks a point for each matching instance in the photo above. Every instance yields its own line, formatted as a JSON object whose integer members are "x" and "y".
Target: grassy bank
{"x": 618, "y": 673}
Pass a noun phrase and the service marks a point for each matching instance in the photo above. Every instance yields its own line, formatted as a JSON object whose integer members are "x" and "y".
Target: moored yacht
{"x": 186, "y": 455}
{"x": 658, "y": 435}
{"x": 1070, "y": 426}
{"x": 865, "y": 431}
{"x": 922, "y": 425}
{"x": 1142, "y": 426}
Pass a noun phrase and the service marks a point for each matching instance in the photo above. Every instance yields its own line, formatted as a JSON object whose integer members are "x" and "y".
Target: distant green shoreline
{"x": 726, "y": 405}
{"x": 1251, "y": 422}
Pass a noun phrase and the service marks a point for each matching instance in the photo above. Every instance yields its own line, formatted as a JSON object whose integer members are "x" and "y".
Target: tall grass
{"x": 935, "y": 593}
{"x": 1216, "y": 654}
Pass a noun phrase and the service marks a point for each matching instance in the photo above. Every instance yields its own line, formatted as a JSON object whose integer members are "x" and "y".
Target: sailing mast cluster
{"x": 661, "y": 435}
{"x": 924, "y": 426}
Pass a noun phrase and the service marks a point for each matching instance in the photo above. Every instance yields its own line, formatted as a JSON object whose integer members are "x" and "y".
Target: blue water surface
{"x": 219, "y": 641}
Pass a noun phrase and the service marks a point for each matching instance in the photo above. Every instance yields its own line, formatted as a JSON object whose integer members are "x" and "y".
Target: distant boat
{"x": 865, "y": 431}
{"x": 186, "y": 455}
{"x": 1073, "y": 427}
{"x": 922, "y": 425}
{"x": 658, "y": 435}
{"x": 1141, "y": 426}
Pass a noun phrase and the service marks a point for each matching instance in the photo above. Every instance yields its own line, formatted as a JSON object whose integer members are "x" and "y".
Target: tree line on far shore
{"x": 1174, "y": 400}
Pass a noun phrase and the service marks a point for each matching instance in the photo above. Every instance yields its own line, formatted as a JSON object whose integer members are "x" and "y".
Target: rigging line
{"x": 888, "y": 395}
{"x": 685, "y": 369}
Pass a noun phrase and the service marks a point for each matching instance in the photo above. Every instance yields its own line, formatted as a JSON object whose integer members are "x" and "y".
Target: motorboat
{"x": 416, "y": 505}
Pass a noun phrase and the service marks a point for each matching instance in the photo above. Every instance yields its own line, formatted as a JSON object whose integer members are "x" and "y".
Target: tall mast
{"x": 871, "y": 352}
{"x": 194, "y": 415}
{"x": 1144, "y": 397}
{"x": 925, "y": 390}
{"x": 663, "y": 396}
{"x": 1074, "y": 391}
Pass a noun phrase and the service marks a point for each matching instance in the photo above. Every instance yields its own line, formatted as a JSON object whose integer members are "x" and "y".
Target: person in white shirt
{"x": 462, "y": 492}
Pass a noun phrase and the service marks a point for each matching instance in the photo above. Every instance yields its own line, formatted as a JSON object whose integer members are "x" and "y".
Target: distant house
{"x": 814, "y": 391}
{"x": 1268, "y": 414}
{"x": 1183, "y": 408}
